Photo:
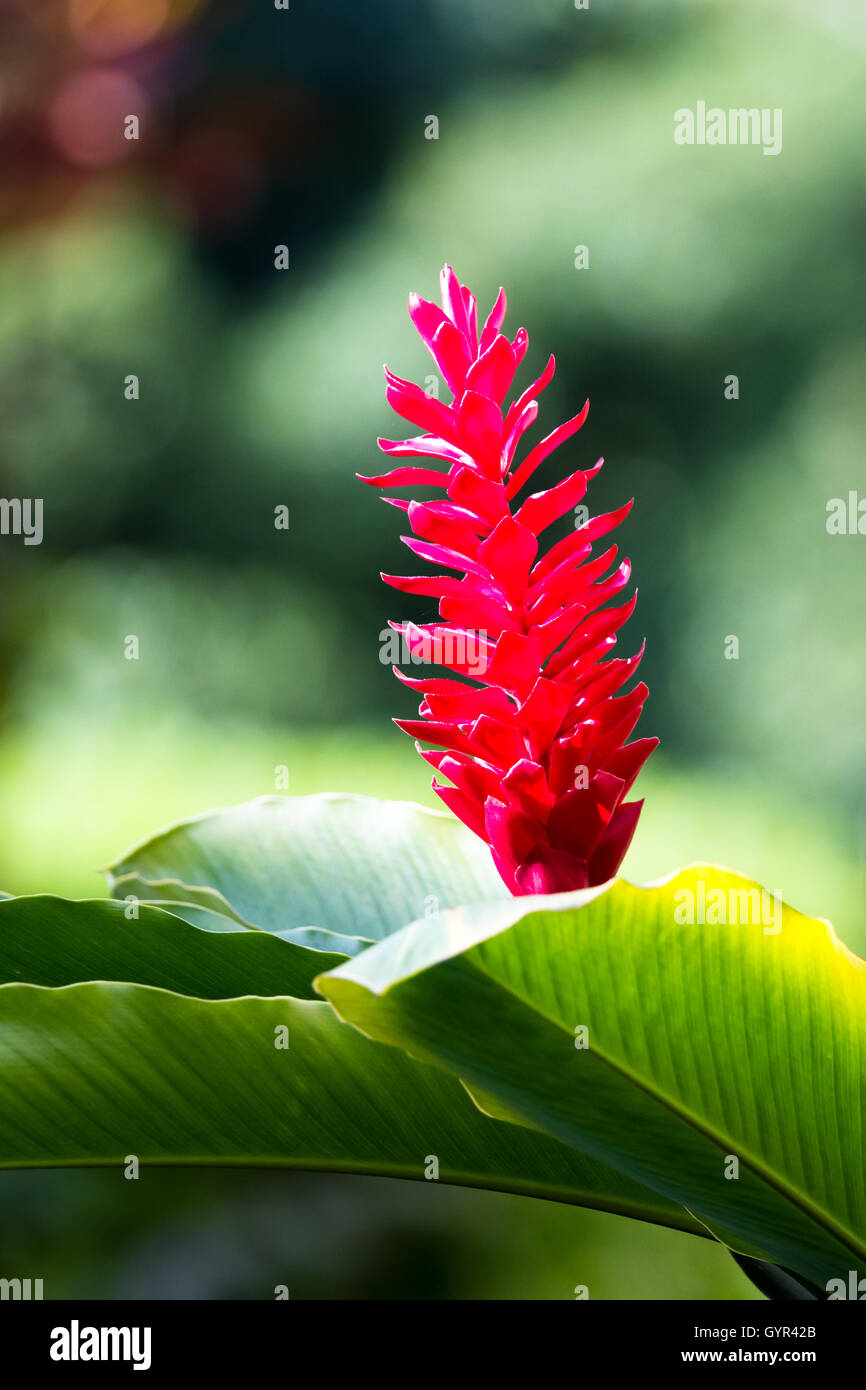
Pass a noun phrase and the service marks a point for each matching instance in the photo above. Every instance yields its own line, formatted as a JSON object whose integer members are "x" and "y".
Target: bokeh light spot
{"x": 88, "y": 112}
{"x": 109, "y": 28}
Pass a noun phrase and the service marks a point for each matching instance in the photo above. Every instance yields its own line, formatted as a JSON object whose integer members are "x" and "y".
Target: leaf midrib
{"x": 799, "y": 1200}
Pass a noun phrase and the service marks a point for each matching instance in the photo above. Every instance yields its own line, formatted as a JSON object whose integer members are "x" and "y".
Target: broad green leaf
{"x": 54, "y": 941}
{"x": 219, "y": 914}
{"x": 707, "y": 1043}
{"x": 777, "y": 1284}
{"x": 83, "y": 1065}
{"x": 352, "y": 865}
{"x": 92, "y": 1073}
{"x": 208, "y": 909}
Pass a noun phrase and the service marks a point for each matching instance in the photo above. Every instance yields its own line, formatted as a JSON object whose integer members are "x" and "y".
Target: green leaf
{"x": 173, "y": 1084}
{"x": 777, "y": 1284}
{"x": 353, "y": 865}
{"x": 705, "y": 1041}
{"x": 211, "y": 907}
{"x": 208, "y": 909}
{"x": 94, "y": 1072}
{"x": 53, "y": 941}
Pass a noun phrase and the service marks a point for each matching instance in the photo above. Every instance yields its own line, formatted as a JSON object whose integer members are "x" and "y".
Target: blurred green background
{"x": 259, "y": 647}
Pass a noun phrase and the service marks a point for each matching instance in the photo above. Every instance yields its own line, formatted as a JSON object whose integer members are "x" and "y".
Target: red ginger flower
{"x": 536, "y": 749}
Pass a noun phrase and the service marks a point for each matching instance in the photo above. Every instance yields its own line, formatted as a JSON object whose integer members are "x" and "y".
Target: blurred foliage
{"x": 259, "y": 647}
{"x": 174, "y": 767}
{"x": 217, "y": 1234}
